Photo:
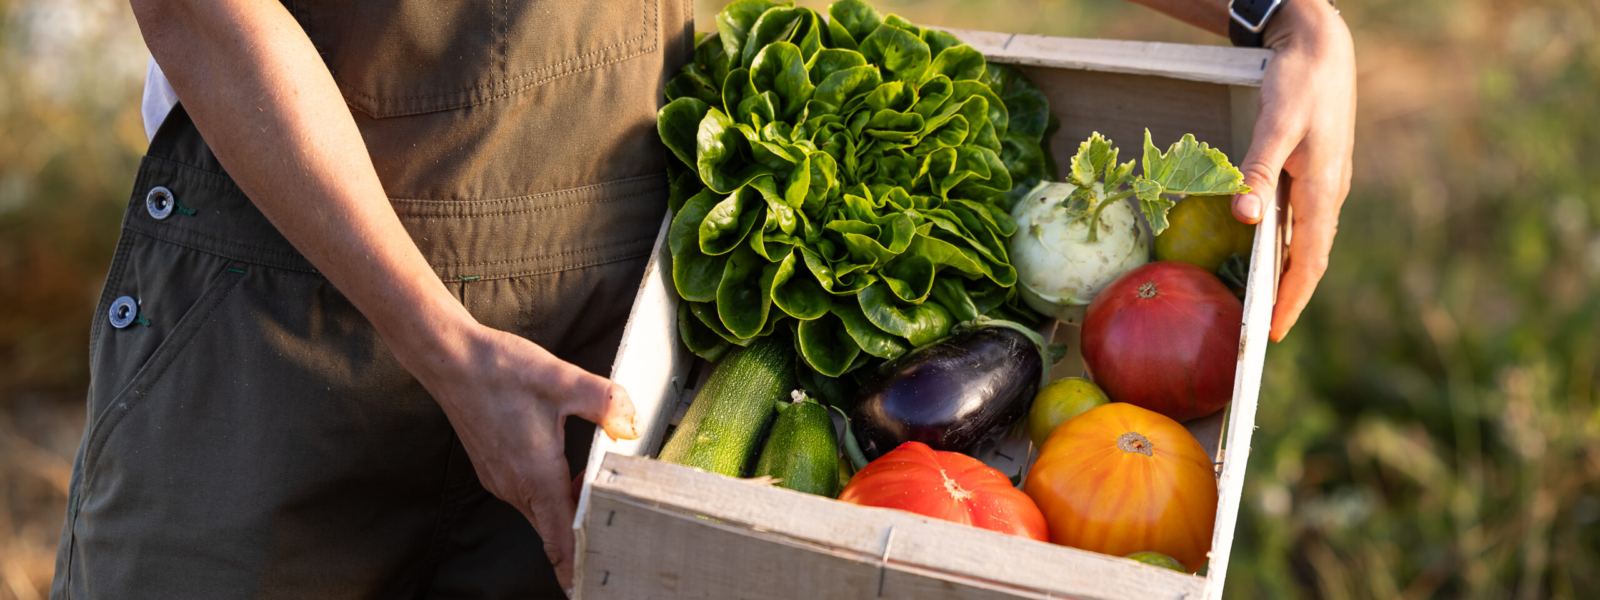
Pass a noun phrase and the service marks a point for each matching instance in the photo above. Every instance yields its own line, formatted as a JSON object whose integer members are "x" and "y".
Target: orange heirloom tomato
{"x": 1120, "y": 479}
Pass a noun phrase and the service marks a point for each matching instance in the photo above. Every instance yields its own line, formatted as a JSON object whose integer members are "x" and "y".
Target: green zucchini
{"x": 802, "y": 453}
{"x": 721, "y": 431}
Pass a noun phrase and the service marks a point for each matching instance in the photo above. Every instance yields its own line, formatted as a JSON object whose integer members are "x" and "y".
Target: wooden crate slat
{"x": 1121, "y": 107}
{"x": 1266, "y": 265}
{"x": 763, "y": 517}
{"x": 1207, "y": 64}
{"x": 726, "y": 561}
{"x": 651, "y": 363}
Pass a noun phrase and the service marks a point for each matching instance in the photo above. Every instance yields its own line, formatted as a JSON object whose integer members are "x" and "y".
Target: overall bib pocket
{"x": 496, "y": 48}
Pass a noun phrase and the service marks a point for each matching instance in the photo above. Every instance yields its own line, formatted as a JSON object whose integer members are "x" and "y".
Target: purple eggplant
{"x": 953, "y": 394}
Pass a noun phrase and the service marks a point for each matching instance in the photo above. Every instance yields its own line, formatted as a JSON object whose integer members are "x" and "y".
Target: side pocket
{"x": 214, "y": 291}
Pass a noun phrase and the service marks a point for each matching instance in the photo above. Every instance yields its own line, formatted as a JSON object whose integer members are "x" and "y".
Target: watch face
{"x": 1253, "y": 14}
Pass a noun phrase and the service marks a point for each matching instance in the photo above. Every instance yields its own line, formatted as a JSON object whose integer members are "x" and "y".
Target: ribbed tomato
{"x": 1164, "y": 336}
{"x": 1120, "y": 479}
{"x": 946, "y": 485}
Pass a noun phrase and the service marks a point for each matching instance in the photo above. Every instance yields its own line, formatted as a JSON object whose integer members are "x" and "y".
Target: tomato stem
{"x": 956, "y": 492}
{"x": 1135, "y": 442}
{"x": 1148, "y": 290}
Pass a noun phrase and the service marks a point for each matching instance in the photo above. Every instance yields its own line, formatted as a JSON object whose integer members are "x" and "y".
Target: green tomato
{"x": 1204, "y": 233}
{"x": 1061, "y": 400}
{"x": 1158, "y": 559}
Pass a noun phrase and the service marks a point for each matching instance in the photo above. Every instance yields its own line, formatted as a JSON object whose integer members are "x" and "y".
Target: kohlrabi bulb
{"x": 1059, "y": 270}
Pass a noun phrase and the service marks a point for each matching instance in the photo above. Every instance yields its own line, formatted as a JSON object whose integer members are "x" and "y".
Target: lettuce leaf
{"x": 847, "y": 177}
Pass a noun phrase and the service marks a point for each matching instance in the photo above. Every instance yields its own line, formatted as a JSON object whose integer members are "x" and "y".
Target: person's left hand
{"x": 507, "y": 399}
{"x": 1305, "y": 128}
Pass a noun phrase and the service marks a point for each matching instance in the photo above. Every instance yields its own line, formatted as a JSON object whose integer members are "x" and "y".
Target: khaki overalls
{"x": 249, "y": 434}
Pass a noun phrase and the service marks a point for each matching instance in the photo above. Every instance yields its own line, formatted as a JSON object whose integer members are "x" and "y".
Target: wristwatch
{"x": 1247, "y": 21}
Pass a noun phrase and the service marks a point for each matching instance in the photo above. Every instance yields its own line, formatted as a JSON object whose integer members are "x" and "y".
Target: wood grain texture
{"x": 1206, "y": 64}
{"x": 1121, "y": 107}
{"x": 678, "y": 532}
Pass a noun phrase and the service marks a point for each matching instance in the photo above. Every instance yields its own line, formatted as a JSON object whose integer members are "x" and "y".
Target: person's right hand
{"x": 507, "y": 399}
{"x": 1306, "y": 128}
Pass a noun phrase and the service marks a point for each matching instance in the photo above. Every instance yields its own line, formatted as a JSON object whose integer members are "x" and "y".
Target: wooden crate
{"x": 649, "y": 529}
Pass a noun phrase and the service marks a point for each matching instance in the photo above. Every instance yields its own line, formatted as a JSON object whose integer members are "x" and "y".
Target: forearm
{"x": 271, "y": 112}
{"x": 1210, "y": 15}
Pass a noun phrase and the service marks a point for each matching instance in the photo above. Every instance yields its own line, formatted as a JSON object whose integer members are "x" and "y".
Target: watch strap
{"x": 1247, "y": 21}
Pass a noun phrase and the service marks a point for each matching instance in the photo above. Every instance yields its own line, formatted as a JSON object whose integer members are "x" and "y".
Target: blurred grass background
{"x": 1430, "y": 429}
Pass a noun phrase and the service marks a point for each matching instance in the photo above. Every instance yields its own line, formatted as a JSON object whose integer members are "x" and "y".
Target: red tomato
{"x": 946, "y": 485}
{"x": 1120, "y": 479}
{"x": 1164, "y": 336}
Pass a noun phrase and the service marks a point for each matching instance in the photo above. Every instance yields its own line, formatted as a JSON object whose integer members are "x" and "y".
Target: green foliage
{"x": 1188, "y": 167}
{"x": 846, "y": 176}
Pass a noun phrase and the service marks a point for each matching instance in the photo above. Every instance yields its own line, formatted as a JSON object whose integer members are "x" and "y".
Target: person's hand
{"x": 507, "y": 399}
{"x": 1306, "y": 128}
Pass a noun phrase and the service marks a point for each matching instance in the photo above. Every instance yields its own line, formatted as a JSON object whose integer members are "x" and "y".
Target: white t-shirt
{"x": 158, "y": 99}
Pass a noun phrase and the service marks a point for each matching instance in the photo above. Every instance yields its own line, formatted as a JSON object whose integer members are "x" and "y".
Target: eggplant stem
{"x": 852, "y": 450}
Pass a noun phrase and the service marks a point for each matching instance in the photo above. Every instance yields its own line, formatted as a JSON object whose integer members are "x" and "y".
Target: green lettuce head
{"x": 848, "y": 177}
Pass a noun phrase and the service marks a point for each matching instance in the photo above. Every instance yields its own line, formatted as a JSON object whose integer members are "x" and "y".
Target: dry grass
{"x": 38, "y": 437}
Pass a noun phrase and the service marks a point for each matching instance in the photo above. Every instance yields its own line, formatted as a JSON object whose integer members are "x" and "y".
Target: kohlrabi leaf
{"x": 1188, "y": 167}
{"x": 1089, "y": 164}
{"x": 1153, "y": 204}
{"x": 1116, "y": 175}
{"x": 1191, "y": 167}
